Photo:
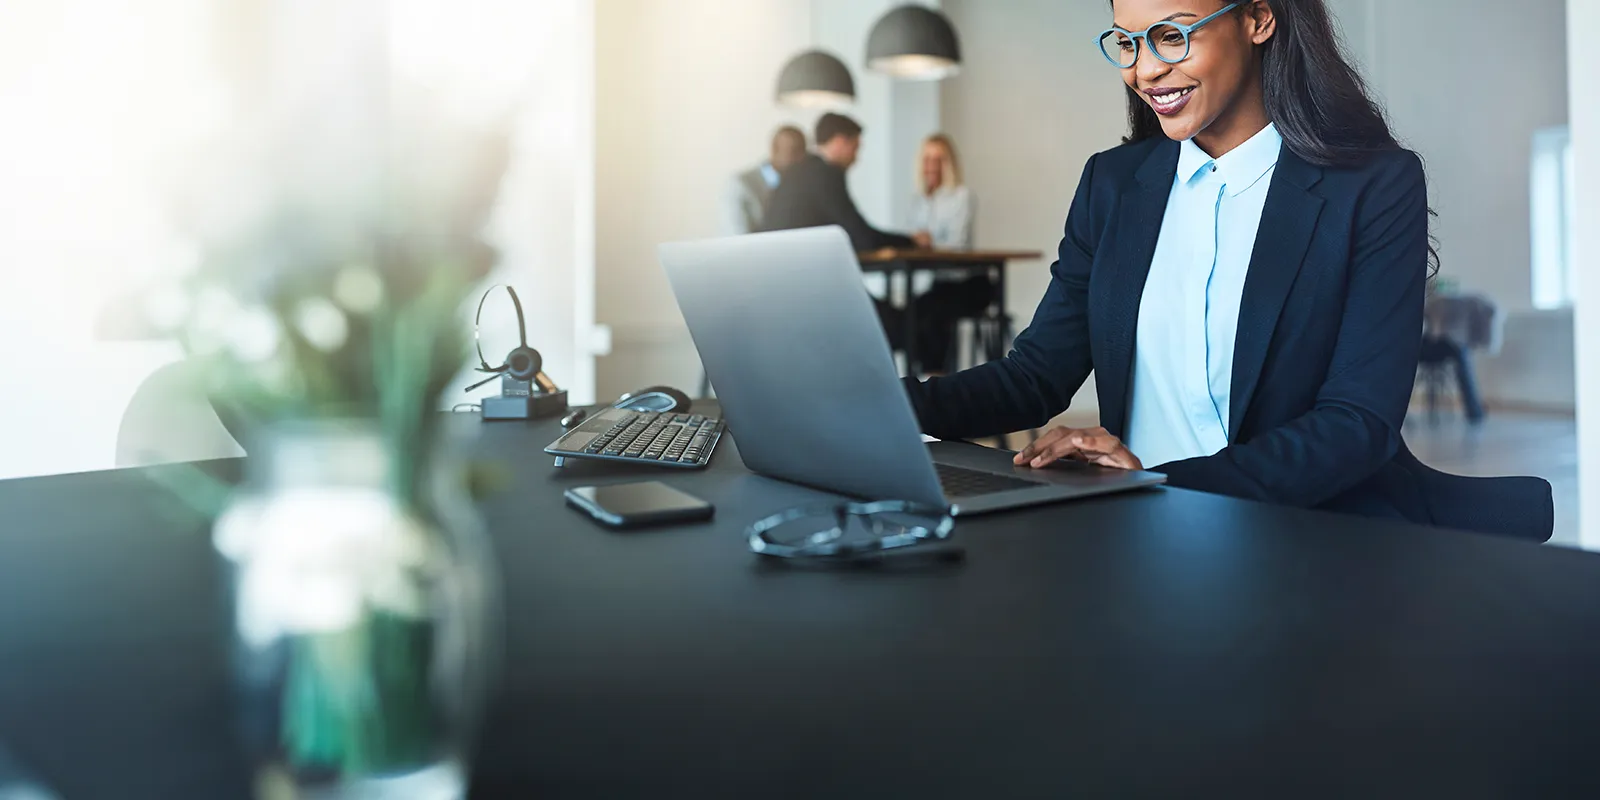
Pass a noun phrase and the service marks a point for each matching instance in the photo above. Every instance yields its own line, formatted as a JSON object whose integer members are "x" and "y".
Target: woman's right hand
{"x": 1094, "y": 445}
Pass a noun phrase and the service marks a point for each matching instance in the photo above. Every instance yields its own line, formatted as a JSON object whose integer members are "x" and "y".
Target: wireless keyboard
{"x": 684, "y": 441}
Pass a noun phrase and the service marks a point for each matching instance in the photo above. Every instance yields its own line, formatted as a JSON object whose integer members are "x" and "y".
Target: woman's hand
{"x": 1093, "y": 445}
{"x": 923, "y": 239}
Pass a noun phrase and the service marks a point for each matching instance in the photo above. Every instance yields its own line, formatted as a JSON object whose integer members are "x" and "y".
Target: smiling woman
{"x": 1244, "y": 275}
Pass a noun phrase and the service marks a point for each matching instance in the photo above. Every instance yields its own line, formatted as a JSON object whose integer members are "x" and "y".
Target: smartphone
{"x": 638, "y": 505}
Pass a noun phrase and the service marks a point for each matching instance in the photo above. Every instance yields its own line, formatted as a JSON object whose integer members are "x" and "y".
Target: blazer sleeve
{"x": 842, "y": 211}
{"x": 1354, "y": 427}
{"x": 1048, "y": 362}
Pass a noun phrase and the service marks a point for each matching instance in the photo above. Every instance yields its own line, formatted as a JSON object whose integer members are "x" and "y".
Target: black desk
{"x": 1160, "y": 644}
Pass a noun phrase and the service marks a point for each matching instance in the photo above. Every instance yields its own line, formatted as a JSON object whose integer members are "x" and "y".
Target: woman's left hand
{"x": 1093, "y": 445}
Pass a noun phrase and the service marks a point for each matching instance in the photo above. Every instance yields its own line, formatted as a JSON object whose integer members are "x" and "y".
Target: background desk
{"x": 1161, "y": 644}
{"x": 905, "y": 262}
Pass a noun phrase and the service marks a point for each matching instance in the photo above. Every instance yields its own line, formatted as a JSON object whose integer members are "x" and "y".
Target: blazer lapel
{"x": 1287, "y": 224}
{"x": 1138, "y": 226}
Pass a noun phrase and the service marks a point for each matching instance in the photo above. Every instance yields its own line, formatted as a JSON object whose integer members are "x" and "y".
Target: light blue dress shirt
{"x": 1189, "y": 313}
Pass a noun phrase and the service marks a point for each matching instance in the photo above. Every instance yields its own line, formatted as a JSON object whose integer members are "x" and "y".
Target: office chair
{"x": 170, "y": 418}
{"x": 1434, "y": 380}
{"x": 1520, "y": 508}
{"x": 988, "y": 339}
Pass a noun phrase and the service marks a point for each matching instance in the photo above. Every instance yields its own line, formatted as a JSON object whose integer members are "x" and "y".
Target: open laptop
{"x": 809, "y": 388}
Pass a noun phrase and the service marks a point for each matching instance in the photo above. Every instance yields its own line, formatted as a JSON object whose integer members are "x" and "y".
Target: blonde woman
{"x": 941, "y": 215}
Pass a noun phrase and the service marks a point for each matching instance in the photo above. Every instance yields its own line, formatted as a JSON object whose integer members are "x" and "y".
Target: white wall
{"x": 1477, "y": 141}
{"x": 1586, "y": 241}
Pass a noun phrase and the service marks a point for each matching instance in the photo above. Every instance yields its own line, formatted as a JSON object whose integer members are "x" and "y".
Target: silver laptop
{"x": 810, "y": 391}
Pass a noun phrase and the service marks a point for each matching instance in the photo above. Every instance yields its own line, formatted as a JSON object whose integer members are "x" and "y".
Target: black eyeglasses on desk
{"x": 852, "y": 531}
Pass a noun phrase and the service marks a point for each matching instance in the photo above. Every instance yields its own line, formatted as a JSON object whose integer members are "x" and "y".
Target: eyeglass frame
{"x": 1186, "y": 30}
{"x": 825, "y": 547}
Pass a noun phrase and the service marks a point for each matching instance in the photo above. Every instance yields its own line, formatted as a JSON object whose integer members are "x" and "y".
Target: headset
{"x": 523, "y": 363}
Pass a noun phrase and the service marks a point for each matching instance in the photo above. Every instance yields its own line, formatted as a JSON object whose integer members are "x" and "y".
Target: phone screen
{"x": 646, "y": 502}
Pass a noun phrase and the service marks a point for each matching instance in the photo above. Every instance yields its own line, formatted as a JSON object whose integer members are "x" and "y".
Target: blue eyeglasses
{"x": 1168, "y": 41}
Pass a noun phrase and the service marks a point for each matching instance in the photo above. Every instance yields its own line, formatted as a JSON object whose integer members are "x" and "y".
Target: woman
{"x": 941, "y": 215}
{"x": 1244, "y": 276}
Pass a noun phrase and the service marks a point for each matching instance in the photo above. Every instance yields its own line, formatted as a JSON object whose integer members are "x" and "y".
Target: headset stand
{"x": 521, "y": 400}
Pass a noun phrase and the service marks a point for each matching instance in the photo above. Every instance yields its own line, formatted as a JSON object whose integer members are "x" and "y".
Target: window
{"x": 1551, "y": 205}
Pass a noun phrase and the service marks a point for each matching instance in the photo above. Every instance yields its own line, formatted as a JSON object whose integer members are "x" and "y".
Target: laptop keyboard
{"x": 958, "y": 482}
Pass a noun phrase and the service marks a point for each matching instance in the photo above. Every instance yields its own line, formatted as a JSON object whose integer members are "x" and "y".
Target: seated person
{"x": 813, "y": 193}
{"x": 941, "y": 213}
{"x": 750, "y": 192}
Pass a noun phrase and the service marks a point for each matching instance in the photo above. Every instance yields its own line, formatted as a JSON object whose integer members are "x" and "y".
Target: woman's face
{"x": 932, "y": 166}
{"x": 1192, "y": 94}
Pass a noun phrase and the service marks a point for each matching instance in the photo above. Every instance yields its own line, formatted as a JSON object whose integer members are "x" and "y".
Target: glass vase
{"x": 362, "y": 602}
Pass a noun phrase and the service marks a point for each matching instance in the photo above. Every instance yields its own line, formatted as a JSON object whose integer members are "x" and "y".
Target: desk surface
{"x": 1165, "y": 643}
{"x": 947, "y": 256}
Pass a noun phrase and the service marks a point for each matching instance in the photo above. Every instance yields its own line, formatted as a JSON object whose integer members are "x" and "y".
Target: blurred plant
{"x": 335, "y": 255}
{"x": 334, "y": 260}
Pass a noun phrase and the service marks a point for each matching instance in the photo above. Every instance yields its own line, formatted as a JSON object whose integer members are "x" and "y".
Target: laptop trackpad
{"x": 1065, "y": 473}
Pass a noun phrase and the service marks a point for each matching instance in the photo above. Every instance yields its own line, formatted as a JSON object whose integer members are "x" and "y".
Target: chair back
{"x": 170, "y": 418}
{"x": 1518, "y": 507}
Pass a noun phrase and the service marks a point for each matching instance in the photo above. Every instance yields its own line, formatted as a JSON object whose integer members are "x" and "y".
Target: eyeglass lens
{"x": 1170, "y": 42}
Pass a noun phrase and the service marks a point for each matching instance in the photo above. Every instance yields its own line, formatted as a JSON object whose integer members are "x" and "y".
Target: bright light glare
{"x": 94, "y": 98}
{"x": 473, "y": 56}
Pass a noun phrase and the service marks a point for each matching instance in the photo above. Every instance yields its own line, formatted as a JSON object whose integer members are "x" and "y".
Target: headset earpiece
{"x": 523, "y": 364}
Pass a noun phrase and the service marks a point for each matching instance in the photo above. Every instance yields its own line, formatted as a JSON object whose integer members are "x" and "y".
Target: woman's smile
{"x": 1168, "y": 101}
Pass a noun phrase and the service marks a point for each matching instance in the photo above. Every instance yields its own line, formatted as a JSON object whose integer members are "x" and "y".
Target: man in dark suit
{"x": 813, "y": 192}
{"x": 746, "y": 205}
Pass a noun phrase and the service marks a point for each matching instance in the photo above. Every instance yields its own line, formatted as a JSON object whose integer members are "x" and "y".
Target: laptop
{"x": 810, "y": 391}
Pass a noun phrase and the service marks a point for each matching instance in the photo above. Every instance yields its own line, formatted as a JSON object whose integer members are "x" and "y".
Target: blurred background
{"x": 628, "y": 122}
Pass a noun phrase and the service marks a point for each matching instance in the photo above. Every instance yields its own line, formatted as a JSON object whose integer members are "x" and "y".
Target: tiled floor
{"x": 1507, "y": 443}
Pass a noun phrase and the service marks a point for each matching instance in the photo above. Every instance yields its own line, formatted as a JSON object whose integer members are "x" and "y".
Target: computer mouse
{"x": 660, "y": 399}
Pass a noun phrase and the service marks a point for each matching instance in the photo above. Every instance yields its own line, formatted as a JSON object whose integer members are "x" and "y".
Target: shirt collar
{"x": 770, "y": 174}
{"x": 1241, "y": 168}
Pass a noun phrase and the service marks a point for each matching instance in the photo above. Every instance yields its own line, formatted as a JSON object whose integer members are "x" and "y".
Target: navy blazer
{"x": 1329, "y": 329}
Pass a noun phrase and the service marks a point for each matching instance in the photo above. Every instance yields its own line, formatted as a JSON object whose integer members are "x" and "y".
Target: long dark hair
{"x": 1318, "y": 101}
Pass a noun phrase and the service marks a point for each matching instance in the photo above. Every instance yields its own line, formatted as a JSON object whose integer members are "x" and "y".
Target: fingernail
{"x": 1038, "y": 462}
